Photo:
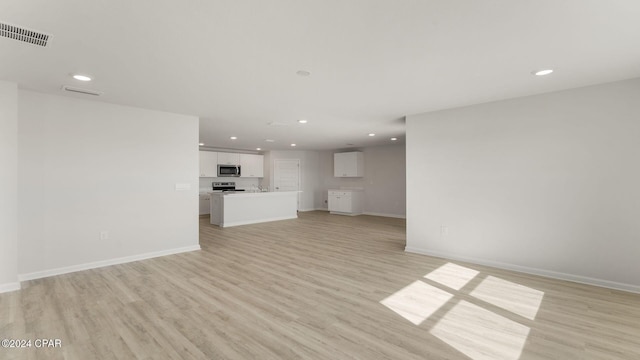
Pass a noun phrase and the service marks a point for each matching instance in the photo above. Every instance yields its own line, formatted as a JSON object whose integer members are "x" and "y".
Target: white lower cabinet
{"x": 204, "y": 204}
{"x": 345, "y": 202}
{"x": 216, "y": 209}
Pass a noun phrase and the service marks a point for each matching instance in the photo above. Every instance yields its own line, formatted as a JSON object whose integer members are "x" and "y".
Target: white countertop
{"x": 253, "y": 194}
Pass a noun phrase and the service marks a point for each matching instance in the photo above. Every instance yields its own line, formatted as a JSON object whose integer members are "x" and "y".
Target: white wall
{"x": 8, "y": 186}
{"x": 545, "y": 184}
{"x": 384, "y": 181}
{"x": 86, "y": 167}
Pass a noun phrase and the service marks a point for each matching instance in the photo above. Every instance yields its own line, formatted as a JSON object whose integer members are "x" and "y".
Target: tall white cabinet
{"x": 348, "y": 164}
{"x": 345, "y": 202}
{"x": 208, "y": 164}
{"x": 252, "y": 166}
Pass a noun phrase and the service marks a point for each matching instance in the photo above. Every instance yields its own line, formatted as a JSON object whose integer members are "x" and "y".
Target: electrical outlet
{"x": 444, "y": 230}
{"x": 104, "y": 235}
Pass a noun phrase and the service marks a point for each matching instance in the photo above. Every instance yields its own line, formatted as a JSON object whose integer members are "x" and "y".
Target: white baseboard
{"x": 385, "y": 215}
{"x": 534, "y": 271}
{"x": 103, "y": 263}
{"x": 364, "y": 213}
{"x": 248, "y": 222}
{"x": 8, "y": 287}
{"x": 344, "y": 213}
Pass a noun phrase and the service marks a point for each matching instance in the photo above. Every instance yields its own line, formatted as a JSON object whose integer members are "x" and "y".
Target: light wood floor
{"x": 319, "y": 287}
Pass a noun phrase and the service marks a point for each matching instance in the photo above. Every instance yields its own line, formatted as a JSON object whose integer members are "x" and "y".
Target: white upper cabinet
{"x": 208, "y": 164}
{"x": 228, "y": 159}
{"x": 348, "y": 164}
{"x": 251, "y": 165}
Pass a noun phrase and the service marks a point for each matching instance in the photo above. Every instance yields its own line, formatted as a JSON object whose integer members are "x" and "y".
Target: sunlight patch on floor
{"x": 452, "y": 275}
{"x": 518, "y": 299}
{"x": 417, "y": 301}
{"x": 471, "y": 326}
{"x": 481, "y": 334}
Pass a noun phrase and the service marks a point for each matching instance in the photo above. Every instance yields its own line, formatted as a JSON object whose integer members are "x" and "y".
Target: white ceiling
{"x": 233, "y": 63}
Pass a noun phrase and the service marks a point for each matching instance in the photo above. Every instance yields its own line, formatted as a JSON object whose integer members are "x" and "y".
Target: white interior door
{"x": 286, "y": 176}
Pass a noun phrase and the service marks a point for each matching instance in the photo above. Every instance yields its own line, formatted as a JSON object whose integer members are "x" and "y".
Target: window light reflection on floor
{"x": 452, "y": 275}
{"x": 518, "y": 299}
{"x": 481, "y": 334}
{"x": 417, "y": 301}
{"x": 471, "y": 326}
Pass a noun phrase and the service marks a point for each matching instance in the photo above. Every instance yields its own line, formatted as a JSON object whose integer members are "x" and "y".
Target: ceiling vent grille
{"x": 277, "y": 123}
{"x": 81, "y": 91}
{"x": 24, "y": 35}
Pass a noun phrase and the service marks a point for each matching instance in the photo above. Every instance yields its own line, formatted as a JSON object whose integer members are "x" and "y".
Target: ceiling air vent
{"x": 81, "y": 91}
{"x": 277, "y": 123}
{"x": 24, "y": 35}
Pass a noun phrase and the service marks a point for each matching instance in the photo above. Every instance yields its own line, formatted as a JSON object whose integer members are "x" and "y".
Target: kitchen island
{"x": 242, "y": 208}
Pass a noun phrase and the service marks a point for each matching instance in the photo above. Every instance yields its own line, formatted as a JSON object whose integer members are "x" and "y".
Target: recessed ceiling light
{"x": 372, "y": 134}
{"x": 293, "y": 144}
{"x": 303, "y": 73}
{"x": 269, "y": 140}
{"x": 258, "y": 149}
{"x": 233, "y": 137}
{"x": 201, "y": 144}
{"x": 542, "y": 72}
{"x": 302, "y": 121}
{"x": 394, "y": 139}
{"x": 81, "y": 77}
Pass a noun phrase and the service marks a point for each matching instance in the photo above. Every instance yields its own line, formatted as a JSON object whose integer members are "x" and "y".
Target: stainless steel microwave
{"x": 228, "y": 170}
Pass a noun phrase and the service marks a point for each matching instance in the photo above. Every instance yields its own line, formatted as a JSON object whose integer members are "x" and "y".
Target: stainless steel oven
{"x": 228, "y": 186}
